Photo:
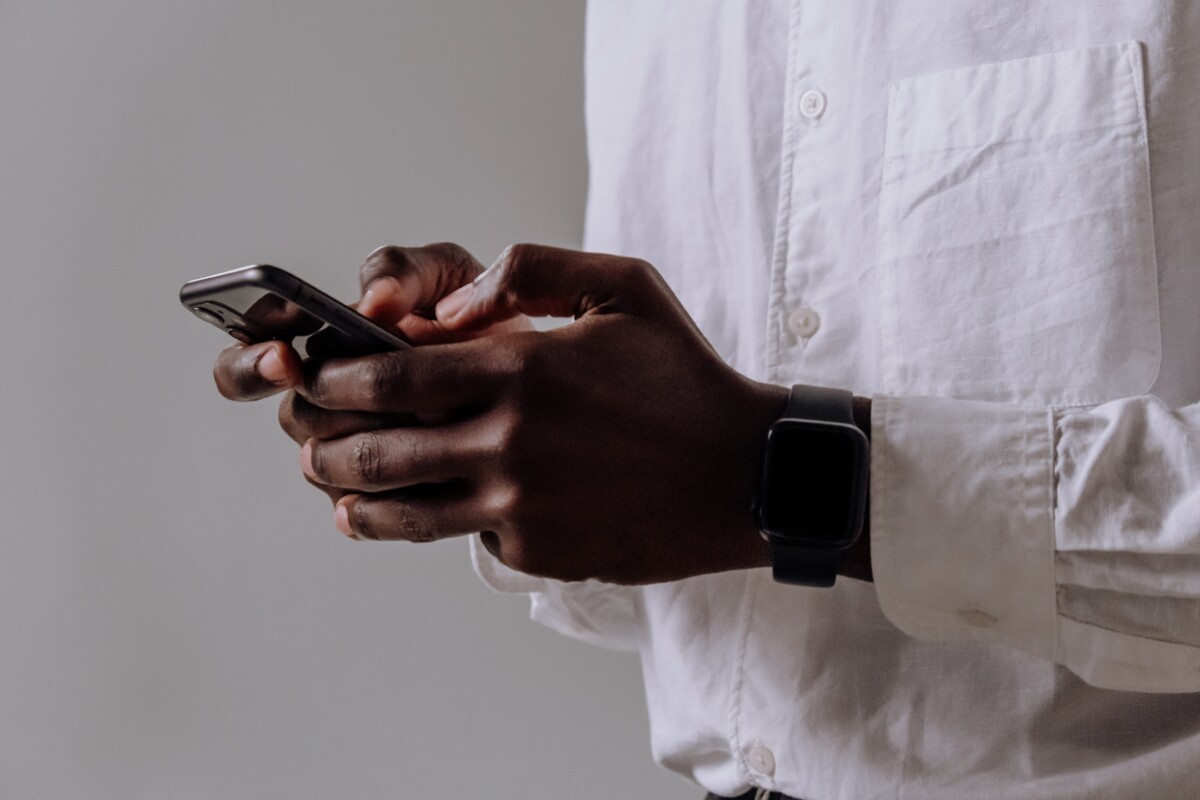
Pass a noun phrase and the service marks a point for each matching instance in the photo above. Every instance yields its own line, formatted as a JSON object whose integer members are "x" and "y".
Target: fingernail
{"x": 341, "y": 518}
{"x": 270, "y": 366}
{"x": 452, "y": 304}
{"x": 306, "y": 460}
{"x": 376, "y": 293}
{"x": 505, "y": 255}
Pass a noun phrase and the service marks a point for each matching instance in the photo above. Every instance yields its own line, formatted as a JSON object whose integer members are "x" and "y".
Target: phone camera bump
{"x": 208, "y": 315}
{"x": 240, "y": 334}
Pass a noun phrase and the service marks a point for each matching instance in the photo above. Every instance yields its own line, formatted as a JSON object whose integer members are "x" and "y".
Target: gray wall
{"x": 178, "y": 617}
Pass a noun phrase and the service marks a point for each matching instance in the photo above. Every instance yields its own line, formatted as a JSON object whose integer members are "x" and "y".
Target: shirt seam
{"x": 888, "y": 415}
{"x": 1139, "y": 636}
{"x": 1137, "y": 76}
{"x": 1052, "y": 512}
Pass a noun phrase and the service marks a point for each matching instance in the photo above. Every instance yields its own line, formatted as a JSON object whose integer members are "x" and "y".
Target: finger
{"x": 301, "y": 420}
{"x": 420, "y": 514}
{"x": 332, "y": 343}
{"x": 251, "y": 372}
{"x": 430, "y": 378}
{"x": 548, "y": 281}
{"x": 332, "y": 492}
{"x": 399, "y": 281}
{"x": 421, "y": 330}
{"x": 375, "y": 461}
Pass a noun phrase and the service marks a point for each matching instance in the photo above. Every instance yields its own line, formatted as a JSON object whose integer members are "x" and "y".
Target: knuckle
{"x": 380, "y": 376}
{"x": 507, "y": 354}
{"x": 512, "y": 267}
{"x": 517, "y": 254}
{"x": 520, "y": 270}
{"x": 638, "y": 273}
{"x": 412, "y": 526}
{"x": 389, "y": 260}
{"x": 533, "y": 365}
{"x": 640, "y": 266}
{"x": 527, "y": 360}
{"x": 508, "y": 503}
{"x": 363, "y": 526}
{"x": 508, "y": 450}
{"x": 366, "y": 460}
{"x": 455, "y": 255}
{"x": 515, "y": 508}
{"x": 317, "y": 383}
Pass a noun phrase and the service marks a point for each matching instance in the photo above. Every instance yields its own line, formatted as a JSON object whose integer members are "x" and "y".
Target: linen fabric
{"x": 986, "y": 216}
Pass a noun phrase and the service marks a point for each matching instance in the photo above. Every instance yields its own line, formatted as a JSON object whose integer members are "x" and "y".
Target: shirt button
{"x": 761, "y": 759}
{"x": 812, "y": 104}
{"x": 804, "y": 322}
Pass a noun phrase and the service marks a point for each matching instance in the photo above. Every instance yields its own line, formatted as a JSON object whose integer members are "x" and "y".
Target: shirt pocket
{"x": 1016, "y": 232}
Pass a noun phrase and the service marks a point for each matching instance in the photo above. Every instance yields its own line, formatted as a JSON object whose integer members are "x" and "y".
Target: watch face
{"x": 814, "y": 482}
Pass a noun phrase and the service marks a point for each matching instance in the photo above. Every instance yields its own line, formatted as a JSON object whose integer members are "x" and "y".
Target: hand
{"x": 400, "y": 288}
{"x": 620, "y": 447}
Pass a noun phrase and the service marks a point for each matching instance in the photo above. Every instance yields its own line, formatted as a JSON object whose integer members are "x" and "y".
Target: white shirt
{"x": 986, "y": 215}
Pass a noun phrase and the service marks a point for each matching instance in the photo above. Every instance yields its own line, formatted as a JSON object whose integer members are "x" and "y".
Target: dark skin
{"x": 620, "y": 447}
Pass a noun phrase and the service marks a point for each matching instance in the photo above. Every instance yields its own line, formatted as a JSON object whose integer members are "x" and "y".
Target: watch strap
{"x": 819, "y": 403}
{"x": 804, "y": 566}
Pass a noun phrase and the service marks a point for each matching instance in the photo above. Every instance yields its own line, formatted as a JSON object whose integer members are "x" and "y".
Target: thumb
{"x": 398, "y": 281}
{"x": 540, "y": 281}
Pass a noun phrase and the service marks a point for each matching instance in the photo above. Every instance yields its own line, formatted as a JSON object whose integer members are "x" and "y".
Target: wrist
{"x": 814, "y": 487}
{"x": 857, "y": 561}
{"x": 769, "y": 404}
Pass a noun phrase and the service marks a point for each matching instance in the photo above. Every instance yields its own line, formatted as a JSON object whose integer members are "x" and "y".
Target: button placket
{"x": 800, "y": 322}
{"x": 777, "y": 343}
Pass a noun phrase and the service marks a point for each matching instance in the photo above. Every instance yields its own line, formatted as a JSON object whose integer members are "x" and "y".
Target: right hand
{"x": 401, "y": 286}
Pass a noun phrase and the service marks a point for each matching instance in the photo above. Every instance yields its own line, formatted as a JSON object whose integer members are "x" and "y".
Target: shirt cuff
{"x": 597, "y": 613}
{"x": 962, "y": 521}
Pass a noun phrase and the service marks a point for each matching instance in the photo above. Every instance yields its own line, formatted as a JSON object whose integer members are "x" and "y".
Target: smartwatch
{"x": 813, "y": 496}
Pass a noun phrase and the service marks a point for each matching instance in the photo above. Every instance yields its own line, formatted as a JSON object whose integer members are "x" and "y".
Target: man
{"x": 978, "y": 217}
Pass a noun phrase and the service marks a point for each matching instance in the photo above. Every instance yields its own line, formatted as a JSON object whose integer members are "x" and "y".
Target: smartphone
{"x": 260, "y": 302}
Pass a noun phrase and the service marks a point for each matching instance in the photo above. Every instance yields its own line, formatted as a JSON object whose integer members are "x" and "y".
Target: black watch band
{"x": 808, "y": 561}
{"x": 804, "y": 566}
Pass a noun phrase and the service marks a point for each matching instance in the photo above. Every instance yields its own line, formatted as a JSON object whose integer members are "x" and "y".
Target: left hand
{"x": 620, "y": 447}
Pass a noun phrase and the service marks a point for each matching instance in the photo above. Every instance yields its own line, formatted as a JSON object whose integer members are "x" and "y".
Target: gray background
{"x": 178, "y": 617}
